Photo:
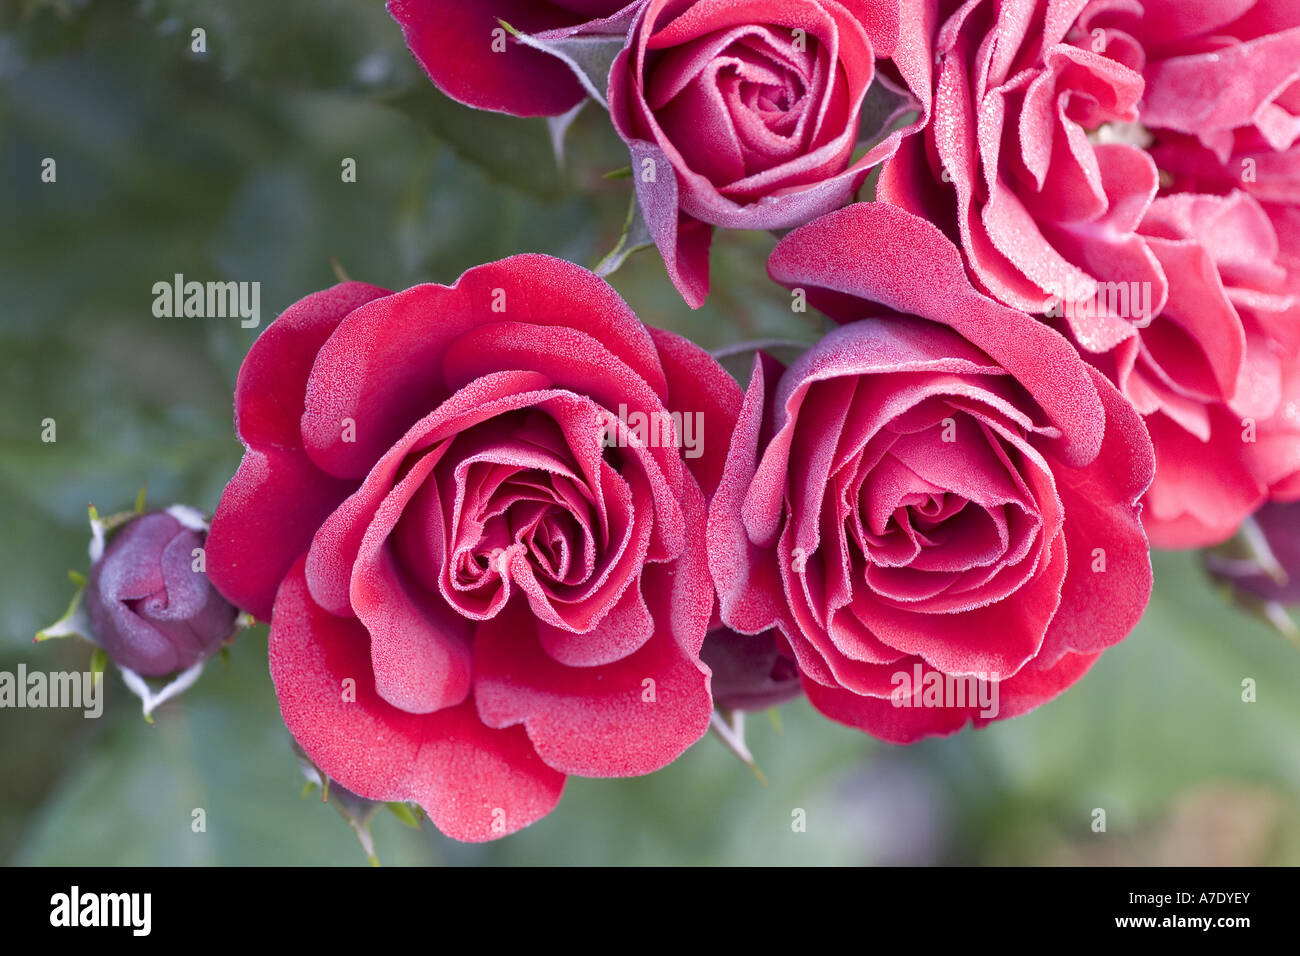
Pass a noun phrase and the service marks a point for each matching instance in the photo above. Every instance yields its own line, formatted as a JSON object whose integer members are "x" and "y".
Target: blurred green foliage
{"x": 226, "y": 165}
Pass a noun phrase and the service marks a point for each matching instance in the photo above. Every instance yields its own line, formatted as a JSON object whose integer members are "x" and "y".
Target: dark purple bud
{"x": 750, "y": 672}
{"x": 150, "y": 603}
{"x": 1278, "y": 577}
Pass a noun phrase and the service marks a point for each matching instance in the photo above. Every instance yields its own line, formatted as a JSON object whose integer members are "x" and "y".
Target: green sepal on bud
{"x": 406, "y": 813}
{"x": 75, "y": 622}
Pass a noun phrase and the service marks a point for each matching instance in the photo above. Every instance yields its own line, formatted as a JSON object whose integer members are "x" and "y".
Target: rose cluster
{"x": 504, "y": 531}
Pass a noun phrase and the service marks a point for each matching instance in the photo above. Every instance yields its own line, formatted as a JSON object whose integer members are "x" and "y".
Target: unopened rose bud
{"x": 750, "y": 672}
{"x": 1271, "y": 571}
{"x": 151, "y": 610}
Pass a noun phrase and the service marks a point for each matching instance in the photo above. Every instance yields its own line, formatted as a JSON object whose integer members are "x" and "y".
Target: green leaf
{"x": 129, "y": 792}
{"x": 515, "y": 152}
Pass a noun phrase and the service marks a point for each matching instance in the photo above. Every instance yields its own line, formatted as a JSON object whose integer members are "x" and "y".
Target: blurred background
{"x": 225, "y": 165}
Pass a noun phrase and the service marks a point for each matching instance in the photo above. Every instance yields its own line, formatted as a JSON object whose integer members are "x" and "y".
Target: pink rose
{"x": 745, "y": 114}
{"x": 936, "y": 504}
{"x": 1026, "y": 160}
{"x": 1050, "y": 118}
{"x": 486, "y": 572}
{"x": 1222, "y": 103}
{"x": 1226, "y": 72}
{"x": 1217, "y": 372}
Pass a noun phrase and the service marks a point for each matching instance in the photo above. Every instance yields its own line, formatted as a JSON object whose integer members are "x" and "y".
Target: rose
{"x": 1032, "y": 158}
{"x": 744, "y": 114}
{"x": 1053, "y": 195}
{"x": 1222, "y": 102}
{"x": 1272, "y": 461}
{"x": 469, "y": 56}
{"x": 1224, "y": 73}
{"x": 1222, "y": 82}
{"x": 152, "y": 610}
{"x": 941, "y": 490}
{"x": 1217, "y": 373}
{"x": 488, "y": 577}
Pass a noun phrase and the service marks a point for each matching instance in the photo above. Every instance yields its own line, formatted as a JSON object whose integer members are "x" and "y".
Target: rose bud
{"x": 1273, "y": 573}
{"x": 750, "y": 672}
{"x": 937, "y": 503}
{"x": 151, "y": 610}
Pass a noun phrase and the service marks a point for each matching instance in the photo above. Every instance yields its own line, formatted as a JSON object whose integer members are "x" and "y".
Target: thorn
{"x": 733, "y": 735}
{"x": 362, "y": 830}
{"x": 1281, "y": 619}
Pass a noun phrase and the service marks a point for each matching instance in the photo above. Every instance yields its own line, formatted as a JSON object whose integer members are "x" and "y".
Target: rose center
{"x": 531, "y": 518}
{"x": 941, "y": 516}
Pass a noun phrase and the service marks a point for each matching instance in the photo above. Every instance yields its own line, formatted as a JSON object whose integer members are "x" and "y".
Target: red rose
{"x": 449, "y": 495}
{"x": 470, "y": 57}
{"x": 745, "y": 113}
{"x": 939, "y": 497}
